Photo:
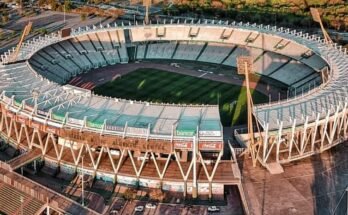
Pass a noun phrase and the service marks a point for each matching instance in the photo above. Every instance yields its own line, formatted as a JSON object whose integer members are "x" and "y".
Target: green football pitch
{"x": 160, "y": 86}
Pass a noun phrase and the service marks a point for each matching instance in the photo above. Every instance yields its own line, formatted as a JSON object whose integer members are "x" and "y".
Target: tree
{"x": 83, "y": 16}
{"x": 41, "y": 3}
{"x": 20, "y": 4}
{"x": 157, "y": 194}
{"x": 217, "y": 4}
{"x": 4, "y": 18}
{"x": 53, "y": 4}
{"x": 67, "y": 5}
{"x": 128, "y": 194}
{"x": 207, "y": 3}
{"x": 97, "y": 1}
{"x": 43, "y": 31}
{"x": 115, "y": 13}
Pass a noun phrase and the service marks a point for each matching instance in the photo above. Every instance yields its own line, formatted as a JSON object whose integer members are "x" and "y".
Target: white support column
{"x": 72, "y": 151}
{"x": 148, "y": 132}
{"x": 36, "y": 132}
{"x": 211, "y": 176}
{"x": 334, "y": 127}
{"x": 160, "y": 173}
{"x": 116, "y": 168}
{"x": 184, "y": 175}
{"x": 123, "y": 153}
{"x": 61, "y": 152}
{"x": 6, "y": 126}
{"x": 16, "y": 132}
{"x": 270, "y": 150}
{"x": 49, "y": 135}
{"x": 233, "y": 157}
{"x": 125, "y": 130}
{"x": 316, "y": 126}
{"x": 279, "y": 140}
{"x": 292, "y": 138}
{"x": 111, "y": 159}
{"x": 2, "y": 121}
{"x": 342, "y": 120}
{"x": 10, "y": 127}
{"x": 194, "y": 173}
{"x": 265, "y": 143}
{"x": 26, "y": 133}
{"x": 136, "y": 170}
{"x": 324, "y": 130}
{"x": 345, "y": 124}
{"x": 304, "y": 136}
{"x": 90, "y": 154}
{"x": 98, "y": 160}
{"x": 80, "y": 154}
{"x": 54, "y": 143}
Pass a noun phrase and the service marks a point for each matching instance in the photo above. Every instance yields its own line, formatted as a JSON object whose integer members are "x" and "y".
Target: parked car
{"x": 213, "y": 209}
{"x": 150, "y": 205}
{"x": 139, "y": 208}
{"x": 114, "y": 212}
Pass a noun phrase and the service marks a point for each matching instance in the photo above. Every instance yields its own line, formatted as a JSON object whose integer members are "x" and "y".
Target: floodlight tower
{"x": 245, "y": 66}
{"x": 25, "y": 33}
{"x": 147, "y": 4}
{"x": 316, "y": 18}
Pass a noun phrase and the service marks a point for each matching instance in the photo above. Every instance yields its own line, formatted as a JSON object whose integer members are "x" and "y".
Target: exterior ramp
{"x": 274, "y": 168}
{"x": 24, "y": 159}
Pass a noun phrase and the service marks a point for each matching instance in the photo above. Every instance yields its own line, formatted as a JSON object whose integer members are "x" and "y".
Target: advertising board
{"x": 218, "y": 188}
{"x": 134, "y": 130}
{"x": 149, "y": 183}
{"x": 210, "y": 133}
{"x": 173, "y": 186}
{"x": 22, "y": 119}
{"x": 126, "y": 180}
{"x": 75, "y": 121}
{"x": 114, "y": 128}
{"x": 36, "y": 125}
{"x": 50, "y": 129}
{"x": 105, "y": 177}
{"x": 183, "y": 145}
{"x": 210, "y": 146}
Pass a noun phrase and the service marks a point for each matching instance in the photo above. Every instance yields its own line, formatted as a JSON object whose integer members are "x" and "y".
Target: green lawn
{"x": 160, "y": 86}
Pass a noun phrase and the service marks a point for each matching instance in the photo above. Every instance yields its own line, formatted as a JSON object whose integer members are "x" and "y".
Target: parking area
{"x": 160, "y": 209}
{"x": 174, "y": 203}
{"x": 135, "y": 207}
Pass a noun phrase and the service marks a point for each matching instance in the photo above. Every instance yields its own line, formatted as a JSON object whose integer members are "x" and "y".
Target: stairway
{"x": 10, "y": 201}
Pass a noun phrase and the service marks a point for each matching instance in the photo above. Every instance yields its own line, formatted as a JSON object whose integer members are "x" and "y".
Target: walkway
{"x": 24, "y": 159}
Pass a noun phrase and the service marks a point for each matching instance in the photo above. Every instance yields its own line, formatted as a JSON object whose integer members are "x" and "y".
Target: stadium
{"x": 58, "y": 124}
